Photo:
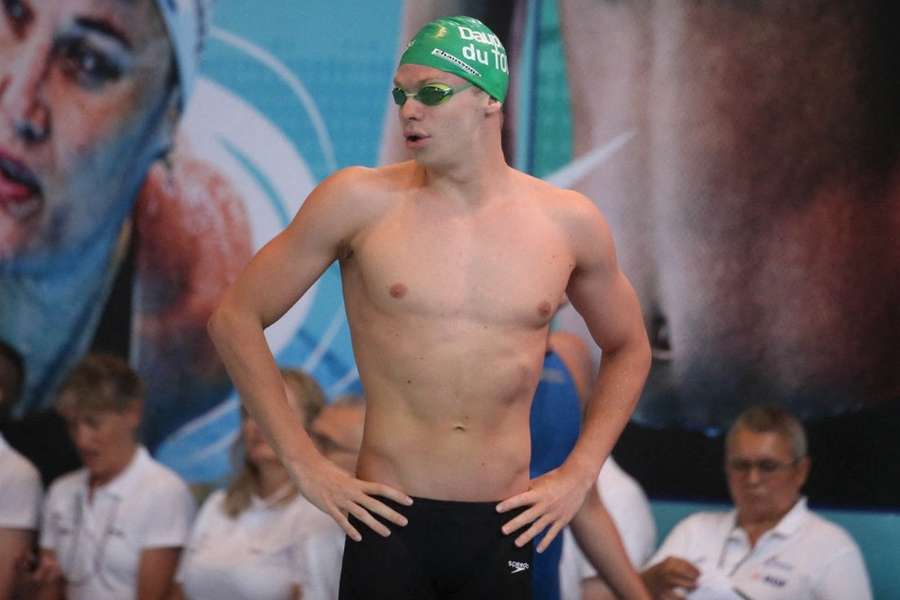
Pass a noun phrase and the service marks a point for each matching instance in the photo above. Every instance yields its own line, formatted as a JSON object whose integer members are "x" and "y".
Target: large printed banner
{"x": 744, "y": 153}
{"x": 287, "y": 93}
{"x": 290, "y": 93}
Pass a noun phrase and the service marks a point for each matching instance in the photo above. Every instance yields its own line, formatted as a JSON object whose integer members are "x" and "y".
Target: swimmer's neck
{"x": 475, "y": 172}
{"x": 469, "y": 182}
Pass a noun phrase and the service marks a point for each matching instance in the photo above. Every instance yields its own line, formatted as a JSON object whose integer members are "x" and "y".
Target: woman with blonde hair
{"x": 244, "y": 541}
{"x": 115, "y": 527}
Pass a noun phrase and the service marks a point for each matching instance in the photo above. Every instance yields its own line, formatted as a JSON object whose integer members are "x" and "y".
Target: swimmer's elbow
{"x": 632, "y": 352}
{"x": 223, "y": 322}
{"x": 640, "y": 356}
{"x": 216, "y": 324}
{"x": 644, "y": 352}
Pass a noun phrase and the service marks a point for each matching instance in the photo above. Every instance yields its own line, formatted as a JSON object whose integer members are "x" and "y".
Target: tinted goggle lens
{"x": 429, "y": 95}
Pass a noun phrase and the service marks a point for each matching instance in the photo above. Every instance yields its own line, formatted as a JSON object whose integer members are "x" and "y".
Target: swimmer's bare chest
{"x": 454, "y": 304}
{"x": 506, "y": 264}
{"x": 449, "y": 312}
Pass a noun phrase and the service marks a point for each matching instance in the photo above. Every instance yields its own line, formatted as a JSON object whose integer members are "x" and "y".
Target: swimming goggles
{"x": 431, "y": 94}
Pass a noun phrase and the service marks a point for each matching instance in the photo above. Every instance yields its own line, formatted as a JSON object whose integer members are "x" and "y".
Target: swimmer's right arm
{"x": 273, "y": 281}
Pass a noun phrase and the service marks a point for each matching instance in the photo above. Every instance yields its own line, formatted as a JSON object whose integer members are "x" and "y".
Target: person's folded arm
{"x": 47, "y": 581}
{"x": 156, "y": 571}
{"x": 16, "y": 546}
{"x": 599, "y": 540}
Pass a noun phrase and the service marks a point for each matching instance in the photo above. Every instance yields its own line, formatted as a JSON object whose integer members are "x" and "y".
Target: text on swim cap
{"x": 459, "y": 63}
{"x": 470, "y": 34}
{"x": 472, "y": 53}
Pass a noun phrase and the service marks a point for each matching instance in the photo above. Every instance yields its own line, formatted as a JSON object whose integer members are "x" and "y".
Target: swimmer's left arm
{"x": 602, "y": 295}
{"x": 605, "y": 299}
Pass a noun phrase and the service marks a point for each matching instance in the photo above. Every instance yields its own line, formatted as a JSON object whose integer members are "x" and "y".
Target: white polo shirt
{"x": 20, "y": 498}
{"x": 251, "y": 557}
{"x": 629, "y": 508}
{"x": 804, "y": 557}
{"x": 98, "y": 543}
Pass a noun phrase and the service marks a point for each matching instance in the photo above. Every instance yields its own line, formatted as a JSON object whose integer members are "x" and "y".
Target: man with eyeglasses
{"x": 771, "y": 546}
{"x": 452, "y": 264}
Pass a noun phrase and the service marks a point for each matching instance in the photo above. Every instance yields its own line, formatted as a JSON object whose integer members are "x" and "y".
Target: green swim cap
{"x": 463, "y": 46}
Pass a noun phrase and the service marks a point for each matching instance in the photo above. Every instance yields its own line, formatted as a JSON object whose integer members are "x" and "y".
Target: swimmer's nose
{"x": 411, "y": 110}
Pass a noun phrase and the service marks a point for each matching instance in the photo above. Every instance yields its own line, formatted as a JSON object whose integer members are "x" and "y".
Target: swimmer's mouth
{"x": 20, "y": 191}
{"x": 414, "y": 137}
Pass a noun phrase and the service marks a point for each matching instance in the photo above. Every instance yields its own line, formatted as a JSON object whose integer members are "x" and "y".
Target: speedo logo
{"x": 517, "y": 567}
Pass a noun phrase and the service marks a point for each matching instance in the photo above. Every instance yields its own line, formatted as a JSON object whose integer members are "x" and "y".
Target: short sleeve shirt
{"x": 629, "y": 508}
{"x": 98, "y": 540}
{"x": 321, "y": 554}
{"x": 252, "y": 556}
{"x": 20, "y": 500}
{"x": 804, "y": 557}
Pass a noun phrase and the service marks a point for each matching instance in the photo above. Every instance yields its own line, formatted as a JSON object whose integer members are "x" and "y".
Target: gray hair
{"x": 772, "y": 419}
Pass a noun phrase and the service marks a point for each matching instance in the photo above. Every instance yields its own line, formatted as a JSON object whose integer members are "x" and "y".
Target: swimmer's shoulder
{"x": 355, "y": 195}
{"x": 576, "y": 215}
{"x": 369, "y": 185}
{"x": 560, "y": 203}
{"x": 349, "y": 201}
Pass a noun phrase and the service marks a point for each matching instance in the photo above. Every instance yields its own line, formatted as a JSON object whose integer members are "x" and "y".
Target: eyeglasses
{"x": 429, "y": 95}
{"x": 765, "y": 466}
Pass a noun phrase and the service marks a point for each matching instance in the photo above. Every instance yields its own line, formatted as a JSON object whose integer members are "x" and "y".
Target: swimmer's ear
{"x": 493, "y": 106}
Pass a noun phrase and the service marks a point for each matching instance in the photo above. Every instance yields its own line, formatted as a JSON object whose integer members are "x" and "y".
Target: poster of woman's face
{"x": 135, "y": 185}
{"x": 91, "y": 92}
{"x": 84, "y": 90}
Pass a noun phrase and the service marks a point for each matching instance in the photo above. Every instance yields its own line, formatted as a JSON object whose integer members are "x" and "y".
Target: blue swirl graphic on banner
{"x": 287, "y": 95}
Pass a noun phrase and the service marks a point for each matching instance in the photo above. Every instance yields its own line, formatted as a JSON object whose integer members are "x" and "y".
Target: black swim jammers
{"x": 448, "y": 551}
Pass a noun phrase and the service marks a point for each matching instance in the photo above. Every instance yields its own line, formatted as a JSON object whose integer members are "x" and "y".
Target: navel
{"x": 398, "y": 290}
